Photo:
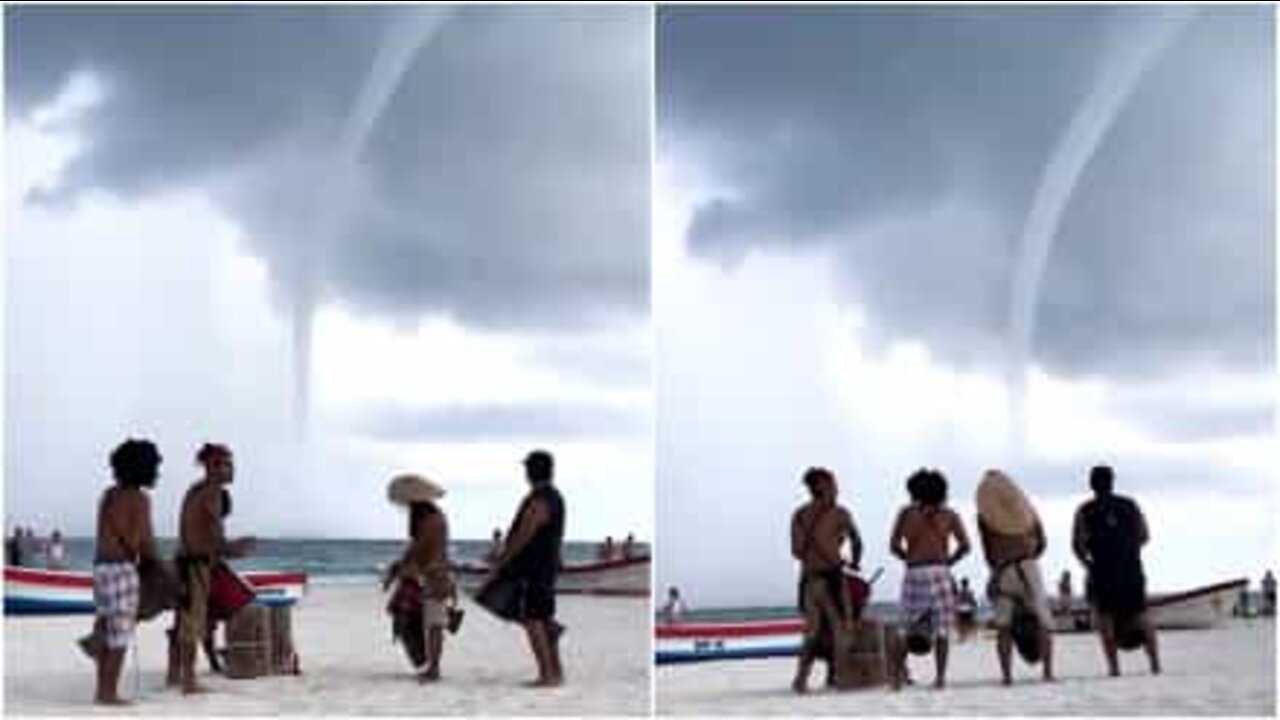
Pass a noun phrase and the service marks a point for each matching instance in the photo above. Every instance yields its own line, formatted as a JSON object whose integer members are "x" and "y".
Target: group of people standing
{"x": 129, "y": 574}
{"x": 929, "y": 537}
{"x": 23, "y": 549}
{"x": 126, "y": 560}
{"x": 519, "y": 587}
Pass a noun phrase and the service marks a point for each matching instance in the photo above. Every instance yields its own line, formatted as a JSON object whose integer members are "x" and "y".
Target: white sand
{"x": 1229, "y": 671}
{"x": 351, "y": 667}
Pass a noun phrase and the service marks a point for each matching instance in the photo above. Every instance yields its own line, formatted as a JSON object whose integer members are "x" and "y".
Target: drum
{"x": 283, "y": 657}
{"x": 249, "y": 643}
{"x": 864, "y": 662}
{"x": 228, "y": 592}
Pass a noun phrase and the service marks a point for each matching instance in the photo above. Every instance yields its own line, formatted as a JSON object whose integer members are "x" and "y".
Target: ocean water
{"x": 333, "y": 561}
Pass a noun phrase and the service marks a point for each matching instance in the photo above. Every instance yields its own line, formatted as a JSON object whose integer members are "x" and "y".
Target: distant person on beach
{"x": 1064, "y": 591}
{"x": 56, "y": 555}
{"x": 607, "y": 549}
{"x": 529, "y": 564}
{"x": 202, "y": 542}
{"x": 629, "y": 547}
{"x": 1268, "y": 594}
{"x": 424, "y": 566}
{"x": 674, "y": 609}
{"x": 966, "y": 608}
{"x": 819, "y": 529}
{"x": 124, "y": 541}
{"x": 30, "y": 547}
{"x": 1107, "y": 537}
{"x": 921, "y": 538}
{"x": 495, "y": 546}
{"x": 13, "y": 549}
{"x": 1012, "y": 541}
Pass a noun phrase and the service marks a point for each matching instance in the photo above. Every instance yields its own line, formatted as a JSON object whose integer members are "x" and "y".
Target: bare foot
{"x": 1006, "y": 681}
{"x": 798, "y": 687}
{"x": 112, "y": 701}
{"x": 543, "y": 683}
{"x": 939, "y": 684}
{"x": 427, "y": 676}
{"x": 194, "y": 690}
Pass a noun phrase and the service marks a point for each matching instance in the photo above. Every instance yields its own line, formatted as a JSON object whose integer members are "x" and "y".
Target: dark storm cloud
{"x": 489, "y": 423}
{"x": 506, "y": 183}
{"x": 909, "y": 143}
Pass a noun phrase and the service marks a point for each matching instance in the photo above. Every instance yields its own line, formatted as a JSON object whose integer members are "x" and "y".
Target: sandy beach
{"x": 351, "y": 667}
{"x": 1227, "y": 671}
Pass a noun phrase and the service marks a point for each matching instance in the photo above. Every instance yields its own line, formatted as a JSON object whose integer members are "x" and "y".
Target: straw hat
{"x": 1003, "y": 506}
{"x": 411, "y": 488}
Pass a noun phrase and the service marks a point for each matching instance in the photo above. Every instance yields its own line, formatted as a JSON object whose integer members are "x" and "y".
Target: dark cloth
{"x": 538, "y": 561}
{"x": 405, "y": 609}
{"x": 1116, "y": 584}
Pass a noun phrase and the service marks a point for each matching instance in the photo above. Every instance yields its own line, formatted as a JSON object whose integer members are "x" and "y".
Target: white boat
{"x": 1196, "y": 609}
{"x": 30, "y": 591}
{"x": 629, "y": 576}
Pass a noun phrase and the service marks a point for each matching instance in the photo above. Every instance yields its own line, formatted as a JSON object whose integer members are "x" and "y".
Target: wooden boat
{"x": 30, "y": 591}
{"x": 629, "y": 577}
{"x": 1196, "y": 609}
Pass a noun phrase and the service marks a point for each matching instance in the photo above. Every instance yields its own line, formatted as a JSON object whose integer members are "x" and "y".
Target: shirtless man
{"x": 1013, "y": 540}
{"x": 201, "y": 543}
{"x": 124, "y": 541}
{"x": 819, "y": 529}
{"x": 921, "y": 538}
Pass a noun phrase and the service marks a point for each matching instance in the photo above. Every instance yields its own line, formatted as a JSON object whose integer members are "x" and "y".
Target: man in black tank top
{"x": 1108, "y": 534}
{"x": 531, "y": 558}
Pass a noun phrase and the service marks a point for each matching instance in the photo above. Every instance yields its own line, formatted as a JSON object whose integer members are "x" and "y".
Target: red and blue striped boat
{"x": 30, "y": 591}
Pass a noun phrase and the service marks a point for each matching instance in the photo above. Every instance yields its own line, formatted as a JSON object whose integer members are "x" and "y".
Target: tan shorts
{"x": 1010, "y": 588}
{"x": 821, "y": 611}
{"x": 193, "y": 617}
{"x": 435, "y": 613}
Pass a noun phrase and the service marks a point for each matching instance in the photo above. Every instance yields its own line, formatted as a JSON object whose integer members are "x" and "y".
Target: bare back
{"x": 124, "y": 526}
{"x": 923, "y": 534}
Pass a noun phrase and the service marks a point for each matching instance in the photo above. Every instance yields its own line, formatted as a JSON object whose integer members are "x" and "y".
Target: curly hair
{"x": 134, "y": 463}
{"x": 927, "y": 487}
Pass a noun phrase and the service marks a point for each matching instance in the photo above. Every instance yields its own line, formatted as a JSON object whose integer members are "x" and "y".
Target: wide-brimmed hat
{"x": 409, "y": 488}
{"x": 1003, "y": 506}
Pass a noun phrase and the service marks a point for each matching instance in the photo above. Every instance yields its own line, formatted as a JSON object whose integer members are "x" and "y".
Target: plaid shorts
{"x": 927, "y": 589}
{"x": 115, "y": 600}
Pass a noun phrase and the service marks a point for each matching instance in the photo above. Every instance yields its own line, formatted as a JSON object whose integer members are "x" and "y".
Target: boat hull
{"x": 28, "y": 591}
{"x": 1197, "y": 609}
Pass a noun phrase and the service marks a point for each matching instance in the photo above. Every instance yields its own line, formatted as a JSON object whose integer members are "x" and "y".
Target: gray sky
{"x": 486, "y": 289}
{"x": 840, "y": 195}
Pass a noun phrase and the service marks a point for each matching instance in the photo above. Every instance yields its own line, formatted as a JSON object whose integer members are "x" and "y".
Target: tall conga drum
{"x": 249, "y": 643}
{"x": 864, "y": 660}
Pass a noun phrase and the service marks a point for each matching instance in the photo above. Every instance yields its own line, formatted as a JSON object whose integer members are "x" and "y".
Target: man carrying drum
{"x": 202, "y": 543}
